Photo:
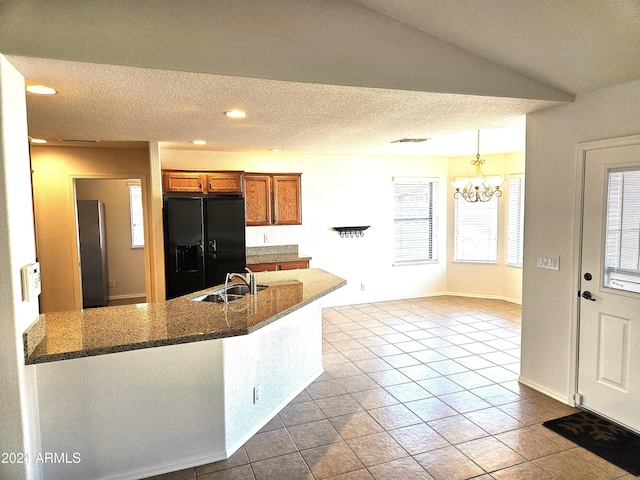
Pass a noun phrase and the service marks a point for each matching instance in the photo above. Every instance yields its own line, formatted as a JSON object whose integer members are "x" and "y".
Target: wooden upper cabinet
{"x": 287, "y": 200}
{"x": 258, "y": 199}
{"x": 273, "y": 199}
{"x": 180, "y": 181}
{"x": 225, "y": 182}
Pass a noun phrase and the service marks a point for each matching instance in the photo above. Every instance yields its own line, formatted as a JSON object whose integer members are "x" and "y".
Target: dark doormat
{"x": 607, "y": 440}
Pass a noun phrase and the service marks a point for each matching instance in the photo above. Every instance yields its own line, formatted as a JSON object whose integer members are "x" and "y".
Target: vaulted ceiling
{"x": 315, "y": 76}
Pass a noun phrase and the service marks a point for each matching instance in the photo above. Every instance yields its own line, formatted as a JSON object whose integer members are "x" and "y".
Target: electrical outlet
{"x": 112, "y": 284}
{"x": 266, "y": 238}
{"x": 256, "y": 394}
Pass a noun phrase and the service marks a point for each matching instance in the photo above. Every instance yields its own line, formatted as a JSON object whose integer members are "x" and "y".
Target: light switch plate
{"x": 549, "y": 262}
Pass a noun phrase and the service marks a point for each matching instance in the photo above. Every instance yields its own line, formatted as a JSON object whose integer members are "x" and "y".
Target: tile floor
{"x": 415, "y": 389}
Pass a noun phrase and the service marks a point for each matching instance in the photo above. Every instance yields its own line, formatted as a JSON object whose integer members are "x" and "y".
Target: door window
{"x": 622, "y": 237}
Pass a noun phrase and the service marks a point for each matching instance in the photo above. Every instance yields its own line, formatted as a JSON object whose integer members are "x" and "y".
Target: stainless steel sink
{"x": 231, "y": 293}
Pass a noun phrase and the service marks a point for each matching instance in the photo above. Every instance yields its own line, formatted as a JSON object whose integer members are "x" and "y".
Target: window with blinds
{"x": 515, "y": 232}
{"x": 415, "y": 220}
{"x": 135, "y": 207}
{"x": 476, "y": 231}
{"x": 622, "y": 249}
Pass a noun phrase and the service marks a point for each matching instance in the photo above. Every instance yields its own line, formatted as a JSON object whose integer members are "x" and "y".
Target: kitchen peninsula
{"x": 132, "y": 410}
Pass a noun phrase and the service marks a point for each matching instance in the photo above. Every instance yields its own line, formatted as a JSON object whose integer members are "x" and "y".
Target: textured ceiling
{"x": 315, "y": 76}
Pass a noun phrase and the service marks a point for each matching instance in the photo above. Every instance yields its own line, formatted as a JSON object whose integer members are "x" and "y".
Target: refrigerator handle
{"x": 214, "y": 248}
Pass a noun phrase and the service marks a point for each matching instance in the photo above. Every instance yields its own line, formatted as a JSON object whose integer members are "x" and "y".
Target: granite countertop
{"x": 274, "y": 254}
{"x": 75, "y": 334}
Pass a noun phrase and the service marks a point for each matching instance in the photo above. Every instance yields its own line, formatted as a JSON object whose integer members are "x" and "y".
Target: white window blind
{"x": 415, "y": 220}
{"x": 135, "y": 207}
{"x": 476, "y": 231}
{"x": 622, "y": 250}
{"x": 515, "y": 233}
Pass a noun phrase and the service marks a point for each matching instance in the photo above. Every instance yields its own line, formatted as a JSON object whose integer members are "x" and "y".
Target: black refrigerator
{"x": 204, "y": 240}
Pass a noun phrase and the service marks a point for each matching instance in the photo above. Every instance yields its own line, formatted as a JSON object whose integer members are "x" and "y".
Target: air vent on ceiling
{"x": 410, "y": 140}
{"x": 78, "y": 140}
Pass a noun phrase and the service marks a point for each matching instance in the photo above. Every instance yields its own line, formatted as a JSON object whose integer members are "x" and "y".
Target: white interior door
{"x": 609, "y": 335}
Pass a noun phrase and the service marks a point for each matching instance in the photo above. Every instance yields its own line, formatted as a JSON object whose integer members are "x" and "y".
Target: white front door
{"x": 609, "y": 327}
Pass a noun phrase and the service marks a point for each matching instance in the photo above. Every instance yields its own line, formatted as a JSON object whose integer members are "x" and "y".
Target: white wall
{"x": 352, "y": 191}
{"x": 19, "y": 432}
{"x": 480, "y": 279}
{"x": 549, "y": 297}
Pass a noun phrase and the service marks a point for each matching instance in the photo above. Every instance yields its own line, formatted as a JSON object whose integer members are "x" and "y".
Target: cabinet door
{"x": 258, "y": 199}
{"x": 187, "y": 182}
{"x": 225, "y": 182}
{"x": 286, "y": 200}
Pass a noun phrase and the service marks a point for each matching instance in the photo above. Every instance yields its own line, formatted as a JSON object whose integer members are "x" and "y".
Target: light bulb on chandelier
{"x": 478, "y": 189}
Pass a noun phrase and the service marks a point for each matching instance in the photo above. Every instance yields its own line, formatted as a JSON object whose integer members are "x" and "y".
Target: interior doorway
{"x": 110, "y": 241}
{"x": 608, "y": 377}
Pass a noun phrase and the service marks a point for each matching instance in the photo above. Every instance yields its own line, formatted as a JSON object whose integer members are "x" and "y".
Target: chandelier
{"x": 478, "y": 189}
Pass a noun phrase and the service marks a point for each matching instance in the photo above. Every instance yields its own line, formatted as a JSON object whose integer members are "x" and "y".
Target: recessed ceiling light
{"x": 198, "y": 142}
{"x": 235, "y": 114}
{"x": 275, "y": 149}
{"x": 38, "y": 140}
{"x": 41, "y": 90}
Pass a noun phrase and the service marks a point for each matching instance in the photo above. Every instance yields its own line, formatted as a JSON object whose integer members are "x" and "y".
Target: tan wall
{"x": 54, "y": 169}
{"x": 125, "y": 264}
{"x": 491, "y": 280}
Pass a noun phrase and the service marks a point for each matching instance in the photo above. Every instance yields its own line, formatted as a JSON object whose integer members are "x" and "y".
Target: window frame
{"x": 519, "y": 233}
{"x": 456, "y": 229}
{"x": 400, "y": 257}
{"x": 136, "y": 210}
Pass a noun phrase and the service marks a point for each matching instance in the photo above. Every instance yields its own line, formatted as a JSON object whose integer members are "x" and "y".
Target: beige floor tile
{"x": 343, "y": 370}
{"x": 235, "y": 460}
{"x": 376, "y": 448}
{"x": 440, "y": 386}
{"x": 457, "y": 429}
{"x": 274, "y": 424}
{"x": 269, "y": 444}
{"x": 493, "y": 420}
{"x": 340, "y": 405}
{"x": 490, "y": 453}
{"x": 469, "y": 380}
{"x": 496, "y": 394}
{"x": 430, "y": 409}
{"x": 529, "y": 443}
{"x": 376, "y": 398}
{"x": 359, "y": 354}
{"x": 313, "y": 434}
{"x": 357, "y": 383}
{"x": 300, "y": 413}
{"x": 464, "y": 402}
{"x": 285, "y": 467}
{"x": 523, "y": 471}
{"x": 418, "y": 438}
{"x": 447, "y": 367}
{"x": 330, "y": 388}
{"x": 362, "y": 474}
{"x": 355, "y": 425}
{"x": 401, "y": 360}
{"x": 330, "y": 460}
{"x": 568, "y": 466}
{"x": 448, "y": 463}
{"x": 526, "y": 412}
{"x": 394, "y": 416}
{"x": 243, "y": 472}
{"x": 404, "y": 468}
{"x": 419, "y": 372}
{"x": 408, "y": 392}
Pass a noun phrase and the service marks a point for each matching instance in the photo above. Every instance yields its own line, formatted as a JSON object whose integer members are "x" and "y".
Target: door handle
{"x": 587, "y": 296}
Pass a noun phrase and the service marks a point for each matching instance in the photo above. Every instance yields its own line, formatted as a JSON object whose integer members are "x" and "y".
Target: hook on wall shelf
{"x": 351, "y": 232}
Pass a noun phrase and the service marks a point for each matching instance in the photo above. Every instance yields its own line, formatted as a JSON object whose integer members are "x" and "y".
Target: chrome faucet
{"x": 249, "y": 279}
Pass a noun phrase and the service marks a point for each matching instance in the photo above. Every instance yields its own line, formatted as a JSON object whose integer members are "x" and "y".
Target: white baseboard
{"x": 561, "y": 397}
{"x": 428, "y": 295}
{"x": 127, "y": 296}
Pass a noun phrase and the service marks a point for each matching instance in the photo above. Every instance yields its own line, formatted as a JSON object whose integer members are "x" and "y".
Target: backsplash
{"x": 272, "y": 250}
